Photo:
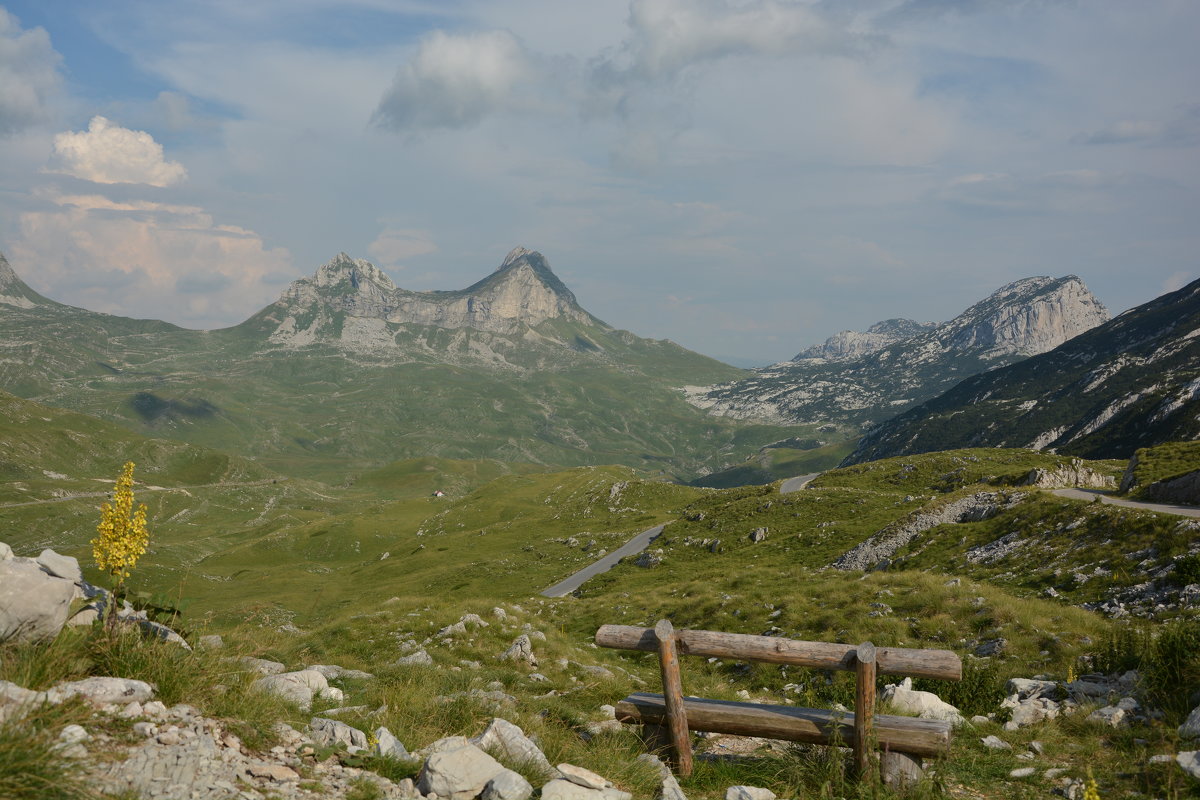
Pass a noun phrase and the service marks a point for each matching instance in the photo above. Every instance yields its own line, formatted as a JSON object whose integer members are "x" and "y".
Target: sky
{"x": 744, "y": 177}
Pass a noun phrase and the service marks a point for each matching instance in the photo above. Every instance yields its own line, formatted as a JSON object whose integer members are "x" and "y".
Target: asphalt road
{"x": 1089, "y": 494}
{"x": 639, "y": 543}
{"x": 634, "y": 545}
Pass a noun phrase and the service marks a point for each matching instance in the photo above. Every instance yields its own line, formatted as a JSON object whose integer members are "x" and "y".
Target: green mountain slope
{"x": 348, "y": 373}
{"x": 1129, "y": 383}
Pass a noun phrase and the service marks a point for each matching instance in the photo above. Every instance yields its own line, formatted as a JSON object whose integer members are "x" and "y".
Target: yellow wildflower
{"x": 1091, "y": 790}
{"x": 121, "y": 535}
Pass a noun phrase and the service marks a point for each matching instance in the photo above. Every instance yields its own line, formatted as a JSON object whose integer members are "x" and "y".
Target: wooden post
{"x": 673, "y": 697}
{"x": 864, "y": 706}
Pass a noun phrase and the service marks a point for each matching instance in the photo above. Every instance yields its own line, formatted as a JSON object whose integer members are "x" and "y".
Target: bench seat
{"x": 918, "y": 737}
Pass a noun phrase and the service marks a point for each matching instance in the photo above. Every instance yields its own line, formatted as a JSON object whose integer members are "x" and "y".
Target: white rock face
{"x": 353, "y": 302}
{"x": 849, "y": 345}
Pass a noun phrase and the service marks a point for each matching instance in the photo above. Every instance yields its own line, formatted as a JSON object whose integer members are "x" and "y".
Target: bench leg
{"x": 900, "y": 770}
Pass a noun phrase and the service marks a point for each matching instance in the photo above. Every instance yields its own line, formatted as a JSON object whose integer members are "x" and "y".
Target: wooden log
{"x": 668, "y": 659}
{"x": 774, "y": 650}
{"x": 922, "y": 737}
{"x": 864, "y": 706}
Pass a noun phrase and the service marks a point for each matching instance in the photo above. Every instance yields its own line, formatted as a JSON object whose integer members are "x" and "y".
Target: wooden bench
{"x": 672, "y": 716}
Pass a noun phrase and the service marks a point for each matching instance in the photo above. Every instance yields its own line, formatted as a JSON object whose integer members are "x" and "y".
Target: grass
{"x": 1163, "y": 462}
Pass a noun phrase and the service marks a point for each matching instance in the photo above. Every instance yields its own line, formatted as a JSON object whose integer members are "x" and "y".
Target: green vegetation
{"x": 773, "y": 463}
{"x": 1163, "y": 462}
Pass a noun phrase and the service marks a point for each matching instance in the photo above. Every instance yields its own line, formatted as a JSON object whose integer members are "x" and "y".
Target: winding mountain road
{"x": 639, "y": 543}
{"x": 1164, "y": 508}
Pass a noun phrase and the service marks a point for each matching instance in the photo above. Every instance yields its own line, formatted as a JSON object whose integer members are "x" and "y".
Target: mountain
{"x": 849, "y": 345}
{"x": 347, "y": 372}
{"x": 1131, "y": 382}
{"x": 863, "y": 378}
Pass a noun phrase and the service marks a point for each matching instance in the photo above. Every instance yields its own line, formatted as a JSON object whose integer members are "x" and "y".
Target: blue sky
{"x": 745, "y": 177}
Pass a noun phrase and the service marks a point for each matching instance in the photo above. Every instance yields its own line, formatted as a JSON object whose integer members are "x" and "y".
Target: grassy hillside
{"x": 1163, "y": 462}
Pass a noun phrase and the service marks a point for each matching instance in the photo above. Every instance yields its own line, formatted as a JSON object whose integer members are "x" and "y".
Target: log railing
{"x": 863, "y": 729}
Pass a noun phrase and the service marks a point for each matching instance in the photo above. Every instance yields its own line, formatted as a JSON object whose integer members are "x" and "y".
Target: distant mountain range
{"x": 864, "y": 378}
{"x": 347, "y": 372}
{"x": 1131, "y": 382}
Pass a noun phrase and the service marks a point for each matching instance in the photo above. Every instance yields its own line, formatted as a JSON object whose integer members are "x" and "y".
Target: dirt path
{"x": 140, "y": 489}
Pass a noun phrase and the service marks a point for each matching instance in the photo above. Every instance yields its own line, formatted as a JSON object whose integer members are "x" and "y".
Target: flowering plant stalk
{"x": 121, "y": 536}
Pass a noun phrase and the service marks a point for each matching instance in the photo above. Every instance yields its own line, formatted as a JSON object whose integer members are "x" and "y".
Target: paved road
{"x": 797, "y": 483}
{"x": 634, "y": 545}
{"x": 1088, "y": 494}
{"x": 640, "y": 543}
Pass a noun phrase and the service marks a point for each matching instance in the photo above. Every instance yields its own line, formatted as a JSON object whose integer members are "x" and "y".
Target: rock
{"x": 520, "y": 650}
{"x": 748, "y": 793}
{"x": 508, "y": 785}
{"x": 456, "y": 770}
{"x": 33, "y": 604}
{"x": 563, "y": 789}
{"x": 670, "y": 789}
{"x": 6, "y": 553}
{"x": 419, "y": 659}
{"x": 758, "y": 535}
{"x": 1086, "y": 689}
{"x": 1161, "y": 758}
{"x": 499, "y": 613}
{"x": 263, "y": 666}
{"x": 926, "y": 705}
{"x": 1022, "y": 772}
{"x": 593, "y": 671}
{"x": 145, "y": 729}
{"x": 1190, "y": 729}
{"x": 388, "y": 746}
{"x": 333, "y": 672}
{"x": 995, "y": 743}
{"x": 101, "y": 691}
{"x": 88, "y": 615}
{"x": 1054, "y": 772}
{"x": 992, "y": 647}
{"x": 506, "y": 740}
{"x": 73, "y": 734}
{"x": 1190, "y": 761}
{"x": 278, "y": 773}
{"x": 899, "y": 770}
{"x": 1111, "y": 716}
{"x": 1028, "y": 688}
{"x": 295, "y": 687}
{"x": 334, "y": 733}
{"x": 157, "y": 630}
{"x": 583, "y": 777}
{"x": 649, "y": 559}
{"x": 210, "y": 642}
{"x": 59, "y": 566}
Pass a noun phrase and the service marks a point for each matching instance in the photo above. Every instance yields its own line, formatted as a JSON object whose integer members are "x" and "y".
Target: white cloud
{"x": 147, "y": 259}
{"x": 454, "y": 81}
{"x": 394, "y": 245}
{"x": 1181, "y": 129}
{"x": 1176, "y": 281}
{"x": 28, "y": 74}
{"x": 108, "y": 153}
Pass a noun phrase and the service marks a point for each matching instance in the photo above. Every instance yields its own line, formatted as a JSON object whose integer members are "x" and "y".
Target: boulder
{"x": 1190, "y": 761}
{"x": 506, "y": 740}
{"x": 456, "y": 770}
{"x": 33, "y": 603}
{"x": 333, "y": 672}
{"x": 520, "y": 650}
{"x": 334, "y": 733}
{"x": 102, "y": 691}
{"x": 748, "y": 793}
{"x": 925, "y": 705}
{"x": 419, "y": 658}
{"x": 563, "y": 789}
{"x": 59, "y": 566}
{"x": 6, "y": 553}
{"x": 211, "y": 642}
{"x": 508, "y": 785}
{"x": 1190, "y": 729}
{"x": 583, "y": 777}
{"x": 388, "y": 746}
{"x": 262, "y": 665}
{"x": 297, "y": 687}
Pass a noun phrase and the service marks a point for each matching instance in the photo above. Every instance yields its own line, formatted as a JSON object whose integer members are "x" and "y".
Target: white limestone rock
{"x": 297, "y": 687}
{"x": 1190, "y": 729}
{"x": 509, "y": 742}
{"x": 334, "y": 733}
{"x": 748, "y": 793}
{"x": 925, "y": 705}
{"x": 59, "y": 566}
{"x": 521, "y": 650}
{"x": 33, "y": 604}
{"x": 508, "y": 785}
{"x": 100, "y": 691}
{"x": 456, "y": 770}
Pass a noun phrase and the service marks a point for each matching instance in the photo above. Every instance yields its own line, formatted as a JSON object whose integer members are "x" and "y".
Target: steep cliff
{"x": 1018, "y": 320}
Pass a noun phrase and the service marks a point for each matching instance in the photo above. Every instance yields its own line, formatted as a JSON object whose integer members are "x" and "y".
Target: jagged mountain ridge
{"x": 1131, "y": 382}
{"x": 848, "y": 345}
{"x": 1018, "y": 320}
{"x": 548, "y": 383}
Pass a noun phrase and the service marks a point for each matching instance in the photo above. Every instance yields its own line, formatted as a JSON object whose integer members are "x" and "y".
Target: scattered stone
{"x": 1190, "y": 761}
{"x": 1054, "y": 772}
{"x": 748, "y": 793}
{"x": 520, "y": 650}
{"x": 926, "y": 705}
{"x": 59, "y": 566}
{"x": 145, "y": 729}
{"x": 995, "y": 743}
{"x": 101, "y": 691}
{"x": 1162, "y": 758}
{"x": 758, "y": 535}
{"x": 263, "y": 666}
{"x": 297, "y": 687}
{"x": 388, "y": 746}
{"x": 499, "y": 613}
{"x": 33, "y": 604}
{"x": 1022, "y": 772}
{"x": 583, "y": 777}
{"x": 332, "y": 732}
{"x": 278, "y": 773}
{"x": 1111, "y": 716}
{"x": 456, "y": 770}
{"x": 597, "y": 672}
{"x": 1037, "y": 747}
{"x": 1190, "y": 729}
{"x": 992, "y": 647}
{"x": 6, "y": 553}
{"x": 333, "y": 672}
{"x": 563, "y": 789}
{"x": 508, "y": 785}
{"x": 210, "y": 642}
{"x": 508, "y": 741}
{"x": 419, "y": 658}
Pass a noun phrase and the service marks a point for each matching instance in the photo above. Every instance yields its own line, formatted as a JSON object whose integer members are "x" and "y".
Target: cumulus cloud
{"x": 108, "y": 153}
{"x": 394, "y": 245}
{"x": 28, "y": 74}
{"x": 147, "y": 259}
{"x": 454, "y": 81}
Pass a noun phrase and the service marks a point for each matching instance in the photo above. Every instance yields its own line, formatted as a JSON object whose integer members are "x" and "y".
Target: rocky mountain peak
{"x": 354, "y": 271}
{"x": 1026, "y": 317}
{"x": 849, "y": 345}
{"x": 14, "y": 291}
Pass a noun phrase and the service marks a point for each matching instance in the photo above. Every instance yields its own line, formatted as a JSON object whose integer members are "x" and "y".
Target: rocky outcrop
{"x": 1182, "y": 489}
{"x": 353, "y": 302}
{"x": 855, "y": 382}
{"x": 875, "y": 551}
{"x": 849, "y": 345}
{"x": 1070, "y": 475}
